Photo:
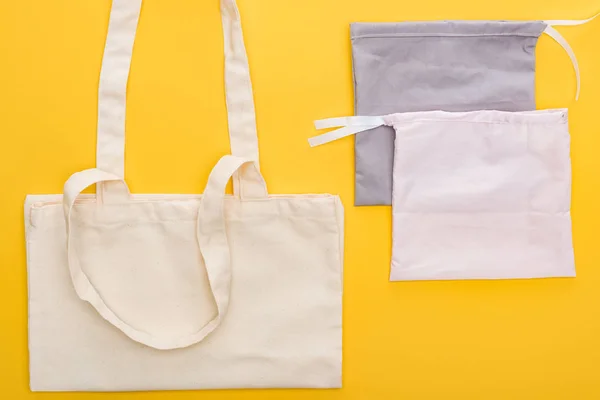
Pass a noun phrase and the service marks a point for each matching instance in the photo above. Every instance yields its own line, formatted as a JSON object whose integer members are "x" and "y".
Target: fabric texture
{"x": 168, "y": 292}
{"x": 426, "y": 66}
{"x": 482, "y": 195}
{"x": 477, "y": 195}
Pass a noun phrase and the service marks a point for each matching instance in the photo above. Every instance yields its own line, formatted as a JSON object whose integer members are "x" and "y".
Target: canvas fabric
{"x": 167, "y": 292}
{"x": 477, "y": 195}
{"x": 439, "y": 65}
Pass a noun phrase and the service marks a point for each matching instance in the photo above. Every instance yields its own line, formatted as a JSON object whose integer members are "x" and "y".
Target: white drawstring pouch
{"x": 438, "y": 65}
{"x": 476, "y": 195}
{"x": 167, "y": 292}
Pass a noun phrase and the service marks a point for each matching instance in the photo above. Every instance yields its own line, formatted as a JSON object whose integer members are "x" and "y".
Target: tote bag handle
{"x": 212, "y": 240}
{"x": 242, "y": 166}
{"x": 116, "y": 62}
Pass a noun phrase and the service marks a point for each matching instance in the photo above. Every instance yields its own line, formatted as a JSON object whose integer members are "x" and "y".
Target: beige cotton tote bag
{"x": 165, "y": 292}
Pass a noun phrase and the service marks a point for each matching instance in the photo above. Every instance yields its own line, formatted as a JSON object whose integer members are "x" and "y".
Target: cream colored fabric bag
{"x": 182, "y": 291}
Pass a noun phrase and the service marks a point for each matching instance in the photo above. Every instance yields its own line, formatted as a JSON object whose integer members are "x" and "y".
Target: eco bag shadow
{"x": 156, "y": 292}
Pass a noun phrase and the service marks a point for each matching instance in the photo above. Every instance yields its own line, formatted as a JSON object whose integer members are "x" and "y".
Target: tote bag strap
{"x": 240, "y": 102}
{"x": 211, "y": 236}
{"x": 112, "y": 93}
{"x": 116, "y": 62}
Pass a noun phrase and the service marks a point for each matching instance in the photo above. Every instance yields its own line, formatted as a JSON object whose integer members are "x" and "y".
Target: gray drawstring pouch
{"x": 442, "y": 65}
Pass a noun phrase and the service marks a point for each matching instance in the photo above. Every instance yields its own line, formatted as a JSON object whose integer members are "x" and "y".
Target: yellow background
{"x": 429, "y": 340}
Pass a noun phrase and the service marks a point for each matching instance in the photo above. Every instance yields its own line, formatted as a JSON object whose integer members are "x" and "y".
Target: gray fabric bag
{"x": 442, "y": 65}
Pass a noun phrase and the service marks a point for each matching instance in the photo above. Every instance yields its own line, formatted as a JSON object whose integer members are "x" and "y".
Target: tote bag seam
{"x": 193, "y": 197}
{"x": 183, "y": 220}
